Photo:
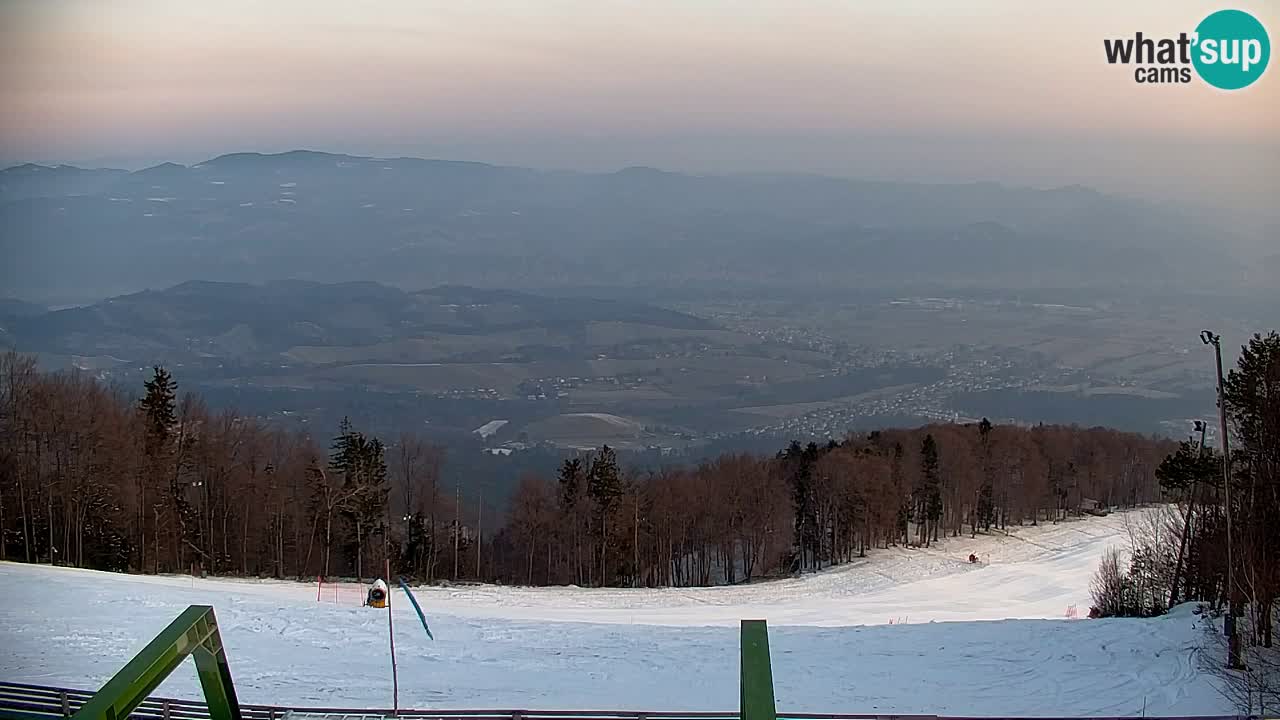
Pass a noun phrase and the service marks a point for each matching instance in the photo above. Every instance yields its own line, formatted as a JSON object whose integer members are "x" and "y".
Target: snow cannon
{"x": 377, "y": 595}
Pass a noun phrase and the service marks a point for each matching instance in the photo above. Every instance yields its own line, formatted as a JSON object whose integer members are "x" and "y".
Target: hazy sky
{"x": 1011, "y": 91}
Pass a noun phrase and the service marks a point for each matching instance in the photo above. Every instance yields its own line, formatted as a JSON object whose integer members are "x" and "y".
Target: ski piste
{"x": 1016, "y": 653}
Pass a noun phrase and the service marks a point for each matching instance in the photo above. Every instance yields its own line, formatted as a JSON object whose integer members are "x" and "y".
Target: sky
{"x": 939, "y": 91}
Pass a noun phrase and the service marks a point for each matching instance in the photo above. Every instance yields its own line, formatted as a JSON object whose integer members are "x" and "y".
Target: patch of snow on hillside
{"x": 489, "y": 428}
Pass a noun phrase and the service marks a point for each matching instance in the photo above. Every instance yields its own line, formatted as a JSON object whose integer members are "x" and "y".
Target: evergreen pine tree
{"x": 158, "y": 407}
{"x": 570, "y": 489}
{"x": 985, "y": 507}
{"x": 604, "y": 487}
{"x": 360, "y": 462}
{"x": 570, "y": 482}
{"x": 932, "y": 487}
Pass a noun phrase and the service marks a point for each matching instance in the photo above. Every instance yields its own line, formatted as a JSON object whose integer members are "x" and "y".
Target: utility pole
{"x": 1233, "y": 638}
{"x": 457, "y": 525}
{"x": 635, "y": 541}
{"x": 479, "y": 519}
{"x": 391, "y": 639}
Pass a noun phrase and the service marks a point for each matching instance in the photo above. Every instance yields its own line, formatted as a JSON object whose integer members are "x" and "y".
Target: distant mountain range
{"x": 72, "y": 235}
{"x": 258, "y": 323}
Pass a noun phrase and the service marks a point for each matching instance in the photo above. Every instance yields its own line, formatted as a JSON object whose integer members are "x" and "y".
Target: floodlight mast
{"x": 1234, "y": 661}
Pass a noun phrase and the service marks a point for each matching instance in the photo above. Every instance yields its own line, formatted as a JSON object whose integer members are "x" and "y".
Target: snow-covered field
{"x": 907, "y": 631}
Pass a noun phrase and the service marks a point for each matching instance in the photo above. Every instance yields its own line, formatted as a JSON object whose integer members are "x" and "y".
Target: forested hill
{"x": 244, "y": 321}
{"x": 92, "y": 478}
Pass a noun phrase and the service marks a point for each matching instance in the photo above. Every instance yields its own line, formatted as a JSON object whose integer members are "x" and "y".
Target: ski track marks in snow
{"x": 673, "y": 649}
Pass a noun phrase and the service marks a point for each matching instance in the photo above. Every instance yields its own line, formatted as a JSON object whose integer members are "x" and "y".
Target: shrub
{"x": 1111, "y": 589}
{"x": 1125, "y": 592}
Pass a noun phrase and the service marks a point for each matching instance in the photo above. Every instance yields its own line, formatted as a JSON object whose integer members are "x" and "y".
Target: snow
{"x": 376, "y": 365}
{"x": 489, "y": 428}
{"x": 1014, "y": 653}
{"x": 606, "y": 417}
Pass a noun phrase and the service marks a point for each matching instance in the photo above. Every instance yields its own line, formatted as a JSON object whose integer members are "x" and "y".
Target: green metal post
{"x": 215, "y": 679}
{"x": 756, "y": 675}
{"x": 194, "y": 632}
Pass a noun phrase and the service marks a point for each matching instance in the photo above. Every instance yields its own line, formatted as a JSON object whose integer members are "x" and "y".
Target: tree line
{"x": 1221, "y": 543}
{"x": 740, "y": 516}
{"x": 92, "y": 477}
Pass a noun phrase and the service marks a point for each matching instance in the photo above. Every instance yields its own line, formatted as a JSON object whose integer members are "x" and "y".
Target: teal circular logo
{"x": 1232, "y": 49}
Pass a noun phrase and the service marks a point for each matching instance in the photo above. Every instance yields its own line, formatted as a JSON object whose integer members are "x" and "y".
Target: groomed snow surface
{"x": 905, "y": 631}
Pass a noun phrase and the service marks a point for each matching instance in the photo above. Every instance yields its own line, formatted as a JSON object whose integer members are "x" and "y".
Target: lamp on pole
{"x": 1229, "y": 626}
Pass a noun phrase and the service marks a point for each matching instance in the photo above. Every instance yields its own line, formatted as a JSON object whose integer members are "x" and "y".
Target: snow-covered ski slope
{"x": 571, "y": 648}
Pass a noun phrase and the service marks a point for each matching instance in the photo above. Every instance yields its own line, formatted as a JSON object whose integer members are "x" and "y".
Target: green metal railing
{"x": 194, "y": 633}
